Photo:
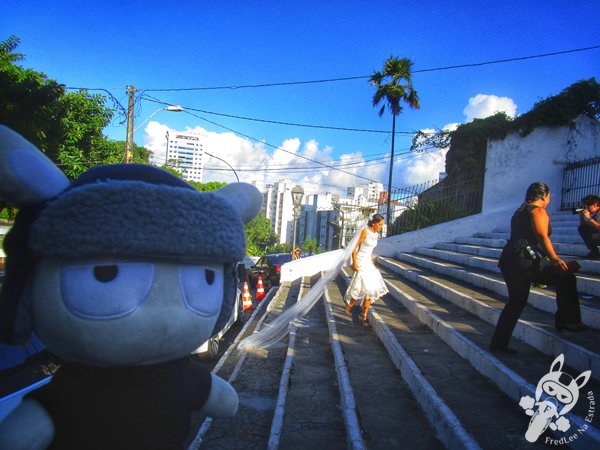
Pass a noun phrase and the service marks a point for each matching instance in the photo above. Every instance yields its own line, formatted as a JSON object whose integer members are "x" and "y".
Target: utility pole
{"x": 129, "y": 140}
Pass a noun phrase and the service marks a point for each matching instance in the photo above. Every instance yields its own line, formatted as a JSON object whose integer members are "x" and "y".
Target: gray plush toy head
{"x": 127, "y": 265}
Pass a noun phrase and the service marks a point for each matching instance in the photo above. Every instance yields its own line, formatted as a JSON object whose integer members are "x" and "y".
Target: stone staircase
{"x": 421, "y": 375}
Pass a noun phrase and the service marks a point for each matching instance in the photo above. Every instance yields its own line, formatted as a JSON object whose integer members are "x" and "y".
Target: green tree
{"x": 211, "y": 186}
{"x": 259, "y": 235}
{"x": 310, "y": 242}
{"x": 113, "y": 152}
{"x": 67, "y": 127}
{"x": 279, "y": 248}
{"x": 394, "y": 87}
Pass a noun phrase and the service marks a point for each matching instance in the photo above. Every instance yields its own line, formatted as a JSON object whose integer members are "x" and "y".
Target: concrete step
{"x": 588, "y": 283}
{"x": 535, "y": 327}
{"x": 558, "y": 238}
{"x": 383, "y": 398}
{"x": 515, "y": 375}
{"x": 455, "y": 388}
{"x": 307, "y": 412}
{"x": 255, "y": 376}
{"x": 568, "y": 250}
{"x": 543, "y": 299}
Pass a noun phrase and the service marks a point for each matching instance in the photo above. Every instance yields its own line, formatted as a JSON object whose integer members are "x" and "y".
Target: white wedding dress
{"x": 367, "y": 282}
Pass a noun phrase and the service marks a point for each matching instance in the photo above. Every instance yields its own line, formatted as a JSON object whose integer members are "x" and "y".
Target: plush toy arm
{"x": 27, "y": 427}
{"x": 222, "y": 400}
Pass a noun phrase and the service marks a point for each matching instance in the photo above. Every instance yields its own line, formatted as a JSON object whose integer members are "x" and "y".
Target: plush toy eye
{"x": 202, "y": 288}
{"x": 106, "y": 291}
{"x": 105, "y": 273}
{"x": 210, "y": 276}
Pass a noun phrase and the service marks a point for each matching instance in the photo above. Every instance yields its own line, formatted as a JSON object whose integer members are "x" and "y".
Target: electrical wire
{"x": 280, "y": 148}
{"x": 329, "y": 166}
{"x": 324, "y": 127}
{"x": 359, "y": 77}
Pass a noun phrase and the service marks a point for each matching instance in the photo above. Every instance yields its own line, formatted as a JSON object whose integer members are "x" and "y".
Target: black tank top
{"x": 521, "y": 227}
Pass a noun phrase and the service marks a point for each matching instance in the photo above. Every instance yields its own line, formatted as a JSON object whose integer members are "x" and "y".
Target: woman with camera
{"x": 528, "y": 257}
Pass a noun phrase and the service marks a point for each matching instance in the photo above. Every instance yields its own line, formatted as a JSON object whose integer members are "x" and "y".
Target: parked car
{"x": 269, "y": 268}
{"x": 210, "y": 349}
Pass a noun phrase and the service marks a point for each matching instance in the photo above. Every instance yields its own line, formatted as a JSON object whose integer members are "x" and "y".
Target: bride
{"x": 367, "y": 285}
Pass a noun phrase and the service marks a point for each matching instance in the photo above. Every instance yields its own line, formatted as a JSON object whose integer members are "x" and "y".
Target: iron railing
{"x": 437, "y": 202}
{"x": 580, "y": 178}
{"x": 414, "y": 207}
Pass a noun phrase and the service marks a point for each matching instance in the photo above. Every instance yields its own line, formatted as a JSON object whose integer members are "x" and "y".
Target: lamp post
{"x": 172, "y": 108}
{"x": 131, "y": 129}
{"x": 339, "y": 209}
{"x": 297, "y": 194}
{"x": 221, "y": 159}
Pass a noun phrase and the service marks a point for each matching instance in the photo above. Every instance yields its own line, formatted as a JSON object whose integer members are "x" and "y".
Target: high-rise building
{"x": 185, "y": 153}
{"x": 278, "y": 207}
{"x": 369, "y": 192}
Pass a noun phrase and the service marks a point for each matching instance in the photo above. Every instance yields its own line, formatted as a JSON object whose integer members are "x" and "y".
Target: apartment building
{"x": 185, "y": 153}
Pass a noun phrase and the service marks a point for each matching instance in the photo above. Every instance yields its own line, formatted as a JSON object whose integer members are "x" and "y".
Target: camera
{"x": 577, "y": 210}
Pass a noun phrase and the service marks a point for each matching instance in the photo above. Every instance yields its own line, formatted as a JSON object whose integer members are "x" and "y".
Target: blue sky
{"x": 207, "y": 44}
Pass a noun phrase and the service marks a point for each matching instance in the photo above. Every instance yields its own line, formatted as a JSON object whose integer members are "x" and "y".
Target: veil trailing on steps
{"x": 273, "y": 332}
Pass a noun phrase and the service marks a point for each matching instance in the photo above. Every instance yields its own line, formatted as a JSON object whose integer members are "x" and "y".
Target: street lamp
{"x": 173, "y": 108}
{"x": 221, "y": 159}
{"x": 131, "y": 130}
{"x": 297, "y": 194}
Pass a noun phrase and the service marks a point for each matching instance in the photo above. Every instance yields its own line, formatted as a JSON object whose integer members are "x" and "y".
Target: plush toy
{"x": 122, "y": 274}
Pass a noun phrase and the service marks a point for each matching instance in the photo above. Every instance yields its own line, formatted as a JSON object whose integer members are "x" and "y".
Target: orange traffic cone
{"x": 260, "y": 289}
{"x": 246, "y": 298}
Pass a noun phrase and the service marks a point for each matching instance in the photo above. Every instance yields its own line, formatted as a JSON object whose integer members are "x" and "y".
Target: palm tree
{"x": 397, "y": 90}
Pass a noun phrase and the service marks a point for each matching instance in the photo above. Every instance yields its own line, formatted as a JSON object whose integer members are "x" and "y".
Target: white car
{"x": 210, "y": 349}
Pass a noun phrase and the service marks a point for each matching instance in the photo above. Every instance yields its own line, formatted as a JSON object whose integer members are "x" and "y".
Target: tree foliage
{"x": 310, "y": 242}
{"x": 207, "y": 187}
{"x": 259, "y": 235}
{"x": 468, "y": 143}
{"x": 424, "y": 214}
{"x": 66, "y": 126}
{"x": 279, "y": 248}
{"x": 394, "y": 86}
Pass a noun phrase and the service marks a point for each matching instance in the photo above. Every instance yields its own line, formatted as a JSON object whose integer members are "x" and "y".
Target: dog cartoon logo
{"x": 560, "y": 394}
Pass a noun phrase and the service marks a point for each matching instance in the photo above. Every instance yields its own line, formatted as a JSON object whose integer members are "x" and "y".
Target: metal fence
{"x": 580, "y": 178}
{"x": 415, "y": 207}
{"x": 435, "y": 202}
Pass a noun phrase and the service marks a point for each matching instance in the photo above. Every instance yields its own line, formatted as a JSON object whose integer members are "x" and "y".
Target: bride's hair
{"x": 375, "y": 219}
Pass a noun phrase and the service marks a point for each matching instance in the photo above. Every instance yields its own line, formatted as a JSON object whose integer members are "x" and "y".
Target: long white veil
{"x": 276, "y": 330}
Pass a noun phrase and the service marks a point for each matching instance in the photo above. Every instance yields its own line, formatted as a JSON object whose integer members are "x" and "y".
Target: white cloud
{"x": 253, "y": 163}
{"x": 483, "y": 105}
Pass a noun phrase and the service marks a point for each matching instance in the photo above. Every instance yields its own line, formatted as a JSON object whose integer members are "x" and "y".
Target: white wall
{"x": 511, "y": 166}
{"x": 514, "y": 163}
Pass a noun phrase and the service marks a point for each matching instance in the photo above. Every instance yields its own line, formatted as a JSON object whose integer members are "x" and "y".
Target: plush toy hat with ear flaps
{"x": 122, "y": 273}
{"x": 133, "y": 211}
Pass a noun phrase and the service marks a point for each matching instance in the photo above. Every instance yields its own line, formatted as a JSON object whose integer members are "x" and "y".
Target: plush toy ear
{"x": 27, "y": 176}
{"x": 246, "y": 199}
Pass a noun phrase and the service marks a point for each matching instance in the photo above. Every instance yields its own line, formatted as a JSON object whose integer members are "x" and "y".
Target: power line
{"x": 331, "y": 80}
{"x": 281, "y": 148}
{"x": 325, "y": 127}
{"x": 287, "y": 151}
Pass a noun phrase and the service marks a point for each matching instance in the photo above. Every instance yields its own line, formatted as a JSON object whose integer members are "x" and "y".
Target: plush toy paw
{"x": 222, "y": 401}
